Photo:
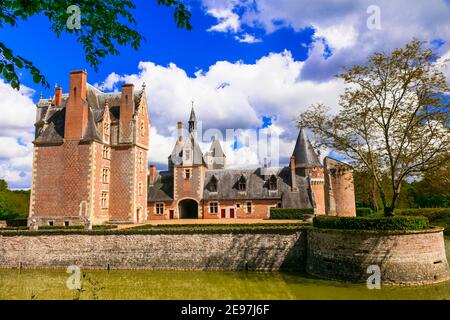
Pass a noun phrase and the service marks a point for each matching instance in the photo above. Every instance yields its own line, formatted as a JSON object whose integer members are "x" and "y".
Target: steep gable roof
{"x": 216, "y": 149}
{"x": 51, "y": 123}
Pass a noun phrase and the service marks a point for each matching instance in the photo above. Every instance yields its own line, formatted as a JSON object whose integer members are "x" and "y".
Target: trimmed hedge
{"x": 16, "y": 223}
{"x": 430, "y": 213}
{"x": 361, "y": 212}
{"x": 76, "y": 227}
{"x": 201, "y": 229}
{"x": 216, "y": 226}
{"x": 284, "y": 213}
{"x": 378, "y": 223}
{"x": 436, "y": 216}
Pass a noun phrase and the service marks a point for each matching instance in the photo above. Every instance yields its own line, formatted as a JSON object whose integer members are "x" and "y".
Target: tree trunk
{"x": 389, "y": 210}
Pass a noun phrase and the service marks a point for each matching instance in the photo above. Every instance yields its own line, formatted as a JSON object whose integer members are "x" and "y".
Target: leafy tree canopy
{"x": 394, "y": 119}
{"x": 105, "y": 25}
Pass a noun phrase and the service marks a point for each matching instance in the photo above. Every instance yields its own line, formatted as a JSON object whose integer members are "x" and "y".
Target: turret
{"x": 307, "y": 164}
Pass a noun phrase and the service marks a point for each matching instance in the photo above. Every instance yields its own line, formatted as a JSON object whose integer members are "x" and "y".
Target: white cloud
{"x": 343, "y": 25}
{"x": 445, "y": 62}
{"x": 16, "y": 134}
{"x": 338, "y": 36}
{"x": 228, "y": 20}
{"x": 247, "y": 38}
{"x": 231, "y": 96}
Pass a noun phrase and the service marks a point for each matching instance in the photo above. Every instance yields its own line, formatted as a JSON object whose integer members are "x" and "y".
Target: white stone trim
{"x": 33, "y": 183}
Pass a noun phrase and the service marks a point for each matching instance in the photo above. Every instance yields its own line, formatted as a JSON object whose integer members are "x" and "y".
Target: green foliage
{"x": 215, "y": 226}
{"x": 436, "y": 216}
{"x": 361, "y": 212}
{"x": 13, "y": 204}
{"x": 396, "y": 223}
{"x": 168, "y": 229}
{"x": 96, "y": 227}
{"x": 430, "y": 191}
{"x": 181, "y": 15}
{"x": 105, "y": 24}
{"x": 3, "y": 185}
{"x": 284, "y": 213}
{"x": 393, "y": 123}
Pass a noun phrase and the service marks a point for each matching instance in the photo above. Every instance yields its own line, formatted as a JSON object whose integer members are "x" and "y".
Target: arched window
{"x": 273, "y": 183}
{"x": 242, "y": 183}
{"x": 213, "y": 184}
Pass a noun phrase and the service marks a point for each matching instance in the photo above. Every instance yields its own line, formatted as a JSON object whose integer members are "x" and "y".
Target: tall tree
{"x": 104, "y": 25}
{"x": 433, "y": 190}
{"x": 394, "y": 119}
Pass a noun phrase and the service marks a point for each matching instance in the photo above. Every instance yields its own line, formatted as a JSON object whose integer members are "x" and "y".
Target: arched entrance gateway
{"x": 188, "y": 209}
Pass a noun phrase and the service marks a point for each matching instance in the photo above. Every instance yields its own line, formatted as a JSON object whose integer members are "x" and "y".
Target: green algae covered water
{"x": 198, "y": 285}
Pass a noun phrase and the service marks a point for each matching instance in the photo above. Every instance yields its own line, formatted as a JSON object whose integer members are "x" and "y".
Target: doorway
{"x": 188, "y": 209}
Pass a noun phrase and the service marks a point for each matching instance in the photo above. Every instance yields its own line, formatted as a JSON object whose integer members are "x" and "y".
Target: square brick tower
{"x": 90, "y": 156}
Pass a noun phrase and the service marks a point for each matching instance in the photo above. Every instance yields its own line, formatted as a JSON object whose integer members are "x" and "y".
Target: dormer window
{"x": 242, "y": 184}
{"x": 213, "y": 184}
{"x": 273, "y": 183}
{"x": 187, "y": 154}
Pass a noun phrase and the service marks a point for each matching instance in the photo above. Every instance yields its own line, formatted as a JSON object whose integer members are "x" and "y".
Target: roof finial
{"x": 56, "y": 84}
{"x": 103, "y": 87}
{"x": 192, "y": 119}
{"x": 40, "y": 96}
{"x": 143, "y": 85}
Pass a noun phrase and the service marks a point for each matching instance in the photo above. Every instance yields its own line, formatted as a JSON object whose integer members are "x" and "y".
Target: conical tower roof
{"x": 192, "y": 117}
{"x": 305, "y": 156}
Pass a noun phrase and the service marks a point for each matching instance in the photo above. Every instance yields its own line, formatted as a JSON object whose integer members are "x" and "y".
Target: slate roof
{"x": 304, "y": 153}
{"x": 162, "y": 188}
{"x": 91, "y": 133}
{"x": 192, "y": 117}
{"x": 176, "y": 157}
{"x": 50, "y": 121}
{"x": 53, "y": 131}
{"x": 256, "y": 187}
{"x": 216, "y": 149}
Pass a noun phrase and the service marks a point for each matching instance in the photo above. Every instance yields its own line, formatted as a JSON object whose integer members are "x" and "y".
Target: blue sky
{"x": 249, "y": 66}
{"x": 165, "y": 43}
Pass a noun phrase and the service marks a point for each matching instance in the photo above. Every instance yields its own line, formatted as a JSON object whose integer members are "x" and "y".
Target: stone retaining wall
{"x": 265, "y": 251}
{"x": 411, "y": 258}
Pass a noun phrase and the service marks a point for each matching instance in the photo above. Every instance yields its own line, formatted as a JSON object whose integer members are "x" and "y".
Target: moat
{"x": 135, "y": 284}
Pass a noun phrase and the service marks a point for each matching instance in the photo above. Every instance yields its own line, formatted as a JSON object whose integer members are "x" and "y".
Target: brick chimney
{"x": 180, "y": 130}
{"x": 58, "y": 97}
{"x": 126, "y": 113}
{"x": 152, "y": 174}
{"x": 77, "y": 107}
{"x": 293, "y": 180}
